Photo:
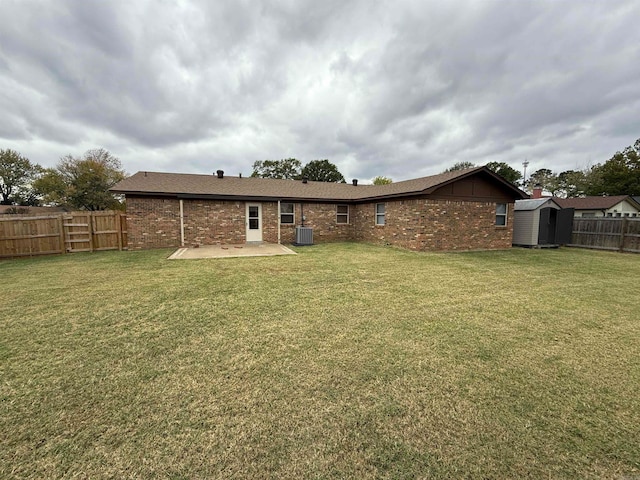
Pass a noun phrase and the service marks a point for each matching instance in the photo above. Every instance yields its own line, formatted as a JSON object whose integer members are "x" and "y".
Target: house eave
{"x": 235, "y": 198}
{"x": 250, "y": 198}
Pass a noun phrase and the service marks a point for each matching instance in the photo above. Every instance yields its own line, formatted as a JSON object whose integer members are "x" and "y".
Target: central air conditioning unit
{"x": 304, "y": 236}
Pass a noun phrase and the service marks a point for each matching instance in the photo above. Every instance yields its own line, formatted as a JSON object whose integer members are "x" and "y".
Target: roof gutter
{"x": 245, "y": 198}
{"x": 242, "y": 198}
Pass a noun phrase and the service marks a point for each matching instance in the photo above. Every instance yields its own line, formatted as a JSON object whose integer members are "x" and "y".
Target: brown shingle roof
{"x": 178, "y": 184}
{"x": 31, "y": 210}
{"x": 591, "y": 203}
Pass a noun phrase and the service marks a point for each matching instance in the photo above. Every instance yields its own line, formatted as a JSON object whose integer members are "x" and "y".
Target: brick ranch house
{"x": 462, "y": 210}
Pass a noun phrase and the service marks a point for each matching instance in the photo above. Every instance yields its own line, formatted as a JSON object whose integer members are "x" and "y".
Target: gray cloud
{"x": 400, "y": 89}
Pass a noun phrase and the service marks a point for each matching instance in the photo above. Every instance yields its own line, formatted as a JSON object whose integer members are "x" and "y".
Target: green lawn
{"x": 347, "y": 360}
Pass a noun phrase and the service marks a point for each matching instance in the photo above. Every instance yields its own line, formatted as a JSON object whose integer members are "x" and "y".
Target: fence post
{"x": 623, "y": 230}
{"x": 119, "y": 229}
{"x": 124, "y": 230}
{"x": 90, "y": 228}
{"x": 63, "y": 240}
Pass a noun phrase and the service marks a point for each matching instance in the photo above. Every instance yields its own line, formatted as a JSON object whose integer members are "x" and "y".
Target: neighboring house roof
{"x": 594, "y": 203}
{"x": 533, "y": 203}
{"x": 210, "y": 186}
{"x": 30, "y": 210}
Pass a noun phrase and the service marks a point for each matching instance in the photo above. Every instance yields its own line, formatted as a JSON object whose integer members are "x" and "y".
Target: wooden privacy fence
{"x": 22, "y": 236}
{"x": 621, "y": 234}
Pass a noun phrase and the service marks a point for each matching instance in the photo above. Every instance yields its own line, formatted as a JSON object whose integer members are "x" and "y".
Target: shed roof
{"x": 592, "y": 203}
{"x": 533, "y": 203}
{"x": 190, "y": 185}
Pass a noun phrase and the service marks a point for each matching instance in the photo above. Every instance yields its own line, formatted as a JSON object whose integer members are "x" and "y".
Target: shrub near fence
{"x": 22, "y": 236}
{"x": 621, "y": 234}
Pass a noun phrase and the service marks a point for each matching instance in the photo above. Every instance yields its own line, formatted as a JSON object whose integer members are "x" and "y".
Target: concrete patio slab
{"x": 230, "y": 251}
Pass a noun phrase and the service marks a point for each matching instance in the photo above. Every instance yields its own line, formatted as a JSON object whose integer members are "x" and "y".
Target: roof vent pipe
{"x": 220, "y": 173}
{"x": 355, "y": 182}
{"x": 305, "y": 179}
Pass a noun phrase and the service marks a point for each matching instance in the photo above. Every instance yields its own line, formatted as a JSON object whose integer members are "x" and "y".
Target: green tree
{"x": 83, "y": 182}
{"x": 51, "y": 186}
{"x": 16, "y": 175}
{"x": 505, "y": 171}
{"x": 380, "y": 180}
{"x": 571, "y": 183}
{"x": 620, "y": 175}
{"x": 322, "y": 171}
{"x": 28, "y": 197}
{"x": 545, "y": 178}
{"x": 459, "y": 166}
{"x": 288, "y": 168}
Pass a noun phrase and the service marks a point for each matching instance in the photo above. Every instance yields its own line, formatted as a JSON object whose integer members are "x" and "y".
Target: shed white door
{"x": 254, "y": 222}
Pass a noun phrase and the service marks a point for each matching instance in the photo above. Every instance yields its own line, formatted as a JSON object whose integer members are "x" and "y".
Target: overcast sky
{"x": 398, "y": 88}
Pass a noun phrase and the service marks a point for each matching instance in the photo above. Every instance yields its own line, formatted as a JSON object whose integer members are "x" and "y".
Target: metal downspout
{"x": 278, "y": 220}
{"x": 181, "y": 223}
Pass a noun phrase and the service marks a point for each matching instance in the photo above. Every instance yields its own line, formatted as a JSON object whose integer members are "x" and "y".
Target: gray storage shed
{"x": 541, "y": 222}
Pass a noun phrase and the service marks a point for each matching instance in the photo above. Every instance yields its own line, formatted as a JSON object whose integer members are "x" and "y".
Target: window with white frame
{"x": 380, "y": 213}
{"x": 342, "y": 213}
{"x": 501, "y": 214}
{"x": 287, "y": 215}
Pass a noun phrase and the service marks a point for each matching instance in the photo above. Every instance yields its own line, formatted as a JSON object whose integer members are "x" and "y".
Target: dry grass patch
{"x": 347, "y": 360}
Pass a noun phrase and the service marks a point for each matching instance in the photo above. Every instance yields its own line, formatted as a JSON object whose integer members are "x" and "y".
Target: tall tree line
{"x": 76, "y": 182}
{"x": 620, "y": 175}
{"x": 291, "y": 168}
{"x": 83, "y": 182}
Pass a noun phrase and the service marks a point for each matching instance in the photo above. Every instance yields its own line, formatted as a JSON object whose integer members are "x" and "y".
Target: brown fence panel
{"x": 621, "y": 234}
{"x": 26, "y": 236}
{"x": 632, "y": 236}
{"x": 61, "y": 233}
{"x": 106, "y": 231}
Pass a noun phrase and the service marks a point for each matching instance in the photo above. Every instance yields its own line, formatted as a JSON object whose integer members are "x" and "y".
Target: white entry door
{"x": 254, "y": 222}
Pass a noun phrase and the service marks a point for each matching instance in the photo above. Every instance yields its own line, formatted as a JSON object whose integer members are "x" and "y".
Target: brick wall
{"x": 153, "y": 222}
{"x": 319, "y": 216}
{"x": 417, "y": 224}
{"x": 211, "y": 222}
{"x": 322, "y": 218}
{"x": 424, "y": 224}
